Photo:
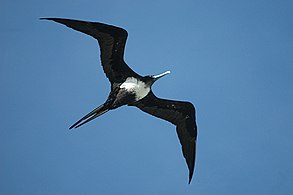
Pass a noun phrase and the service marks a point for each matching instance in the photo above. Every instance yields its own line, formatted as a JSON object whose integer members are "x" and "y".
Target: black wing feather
{"x": 112, "y": 44}
{"x": 181, "y": 114}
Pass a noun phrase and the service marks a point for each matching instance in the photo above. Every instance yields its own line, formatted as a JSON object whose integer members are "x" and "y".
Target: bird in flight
{"x": 132, "y": 89}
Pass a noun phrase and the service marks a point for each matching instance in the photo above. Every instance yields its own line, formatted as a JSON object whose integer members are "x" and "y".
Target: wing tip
{"x": 190, "y": 177}
{"x": 46, "y": 18}
{"x": 60, "y": 20}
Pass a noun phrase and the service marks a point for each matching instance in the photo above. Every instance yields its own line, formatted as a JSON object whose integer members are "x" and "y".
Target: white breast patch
{"x": 135, "y": 86}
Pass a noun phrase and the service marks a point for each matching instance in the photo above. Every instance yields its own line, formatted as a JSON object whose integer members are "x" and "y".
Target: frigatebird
{"x": 132, "y": 89}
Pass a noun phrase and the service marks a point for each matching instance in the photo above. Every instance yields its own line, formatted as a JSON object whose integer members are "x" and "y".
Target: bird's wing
{"x": 181, "y": 114}
{"x": 112, "y": 44}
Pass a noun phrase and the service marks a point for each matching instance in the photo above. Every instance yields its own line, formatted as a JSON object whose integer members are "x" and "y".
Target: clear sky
{"x": 232, "y": 59}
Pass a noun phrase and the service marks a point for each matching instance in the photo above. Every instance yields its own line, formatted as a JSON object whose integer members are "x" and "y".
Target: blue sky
{"x": 232, "y": 59}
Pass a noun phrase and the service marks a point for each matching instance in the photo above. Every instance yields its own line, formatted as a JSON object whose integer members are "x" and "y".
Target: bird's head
{"x": 152, "y": 78}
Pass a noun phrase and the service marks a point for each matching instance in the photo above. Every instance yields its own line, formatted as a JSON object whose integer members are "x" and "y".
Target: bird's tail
{"x": 90, "y": 116}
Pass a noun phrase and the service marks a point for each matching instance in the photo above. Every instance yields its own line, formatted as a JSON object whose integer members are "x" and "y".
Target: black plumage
{"x": 132, "y": 89}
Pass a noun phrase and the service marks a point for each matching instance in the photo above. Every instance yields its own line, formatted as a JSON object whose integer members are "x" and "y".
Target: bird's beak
{"x": 156, "y": 77}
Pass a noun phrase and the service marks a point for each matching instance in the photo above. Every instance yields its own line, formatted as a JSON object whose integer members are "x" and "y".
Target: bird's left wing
{"x": 112, "y": 42}
{"x": 181, "y": 114}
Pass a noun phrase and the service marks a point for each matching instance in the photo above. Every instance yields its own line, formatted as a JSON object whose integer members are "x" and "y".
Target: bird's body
{"x": 136, "y": 87}
{"x": 132, "y": 89}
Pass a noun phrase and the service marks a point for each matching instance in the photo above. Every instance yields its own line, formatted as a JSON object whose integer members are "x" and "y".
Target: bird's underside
{"x": 130, "y": 88}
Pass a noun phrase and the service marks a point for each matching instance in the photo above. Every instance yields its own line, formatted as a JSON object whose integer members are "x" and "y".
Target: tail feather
{"x": 90, "y": 116}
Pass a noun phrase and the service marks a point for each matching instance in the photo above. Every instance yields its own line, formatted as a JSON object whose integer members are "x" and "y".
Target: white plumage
{"x": 139, "y": 88}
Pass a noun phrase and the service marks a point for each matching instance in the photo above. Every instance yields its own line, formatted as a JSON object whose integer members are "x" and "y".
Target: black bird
{"x": 132, "y": 89}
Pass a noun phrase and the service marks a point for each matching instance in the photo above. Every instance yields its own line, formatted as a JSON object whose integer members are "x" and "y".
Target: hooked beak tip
{"x": 161, "y": 75}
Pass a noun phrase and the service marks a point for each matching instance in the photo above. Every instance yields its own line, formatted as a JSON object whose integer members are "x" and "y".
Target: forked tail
{"x": 90, "y": 116}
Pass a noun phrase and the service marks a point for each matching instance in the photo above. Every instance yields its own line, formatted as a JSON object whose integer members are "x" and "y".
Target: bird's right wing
{"x": 112, "y": 44}
{"x": 181, "y": 114}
